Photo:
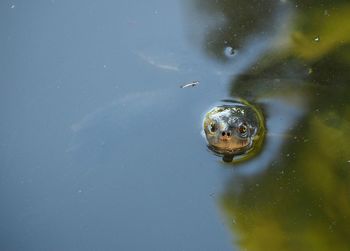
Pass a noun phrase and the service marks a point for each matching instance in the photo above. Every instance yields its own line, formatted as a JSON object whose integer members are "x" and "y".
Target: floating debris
{"x": 191, "y": 84}
{"x": 317, "y": 39}
{"x": 230, "y": 52}
{"x": 234, "y": 221}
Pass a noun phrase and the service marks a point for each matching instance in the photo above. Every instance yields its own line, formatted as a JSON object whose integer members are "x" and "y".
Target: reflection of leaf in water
{"x": 242, "y": 19}
{"x": 318, "y": 34}
{"x": 326, "y": 167}
{"x": 302, "y": 200}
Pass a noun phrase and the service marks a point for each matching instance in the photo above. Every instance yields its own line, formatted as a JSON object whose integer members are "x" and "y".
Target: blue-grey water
{"x": 100, "y": 148}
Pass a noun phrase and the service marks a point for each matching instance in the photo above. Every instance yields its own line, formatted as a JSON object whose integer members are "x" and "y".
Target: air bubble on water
{"x": 317, "y": 39}
{"x": 12, "y": 6}
{"x": 230, "y": 52}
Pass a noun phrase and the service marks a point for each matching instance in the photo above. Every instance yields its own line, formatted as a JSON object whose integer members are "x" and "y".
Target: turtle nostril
{"x": 228, "y": 134}
{"x": 223, "y": 133}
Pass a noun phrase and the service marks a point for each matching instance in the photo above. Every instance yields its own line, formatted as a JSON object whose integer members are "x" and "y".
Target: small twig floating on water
{"x": 191, "y": 84}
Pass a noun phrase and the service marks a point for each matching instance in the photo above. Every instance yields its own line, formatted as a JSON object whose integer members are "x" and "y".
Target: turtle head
{"x": 231, "y": 129}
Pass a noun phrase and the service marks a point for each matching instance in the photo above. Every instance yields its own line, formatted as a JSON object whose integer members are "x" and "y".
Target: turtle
{"x": 234, "y": 130}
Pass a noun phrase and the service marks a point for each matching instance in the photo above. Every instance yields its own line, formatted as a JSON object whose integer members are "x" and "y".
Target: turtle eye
{"x": 213, "y": 127}
{"x": 243, "y": 130}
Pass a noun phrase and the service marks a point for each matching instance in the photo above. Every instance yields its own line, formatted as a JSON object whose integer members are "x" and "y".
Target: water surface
{"x": 102, "y": 150}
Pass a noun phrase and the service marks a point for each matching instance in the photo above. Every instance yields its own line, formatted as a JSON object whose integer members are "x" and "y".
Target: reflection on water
{"x": 296, "y": 194}
{"x": 101, "y": 148}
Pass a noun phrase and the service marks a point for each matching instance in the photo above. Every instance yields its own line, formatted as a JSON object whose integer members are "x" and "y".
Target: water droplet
{"x": 230, "y": 52}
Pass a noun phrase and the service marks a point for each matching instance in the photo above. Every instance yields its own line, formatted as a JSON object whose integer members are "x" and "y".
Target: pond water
{"x": 102, "y": 150}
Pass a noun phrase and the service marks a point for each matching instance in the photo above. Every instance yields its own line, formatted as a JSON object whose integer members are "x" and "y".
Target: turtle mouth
{"x": 230, "y": 146}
